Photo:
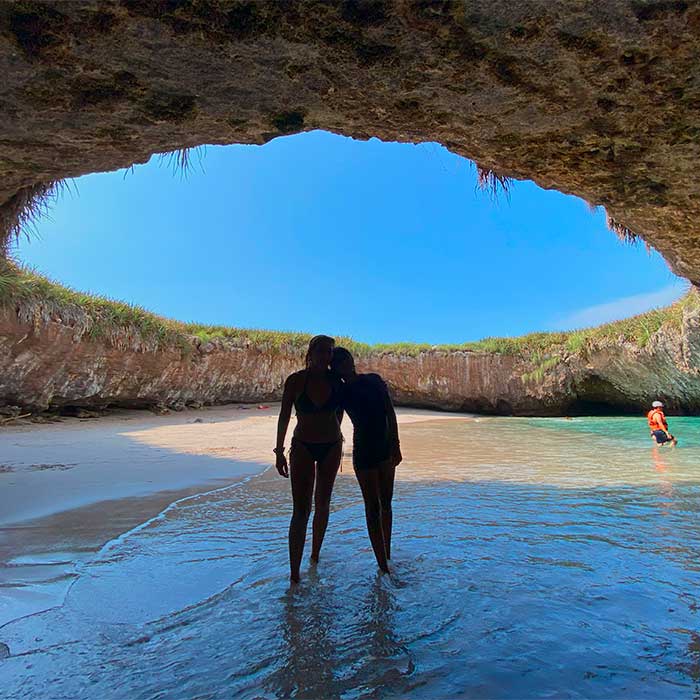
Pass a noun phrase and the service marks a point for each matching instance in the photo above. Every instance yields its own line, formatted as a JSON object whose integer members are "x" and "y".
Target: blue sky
{"x": 320, "y": 233}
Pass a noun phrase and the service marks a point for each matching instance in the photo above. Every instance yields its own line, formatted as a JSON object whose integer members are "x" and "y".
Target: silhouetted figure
{"x": 316, "y": 448}
{"x": 376, "y": 448}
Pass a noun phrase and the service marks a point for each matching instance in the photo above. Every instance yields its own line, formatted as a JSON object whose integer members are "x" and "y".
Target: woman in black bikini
{"x": 376, "y": 449}
{"x": 316, "y": 446}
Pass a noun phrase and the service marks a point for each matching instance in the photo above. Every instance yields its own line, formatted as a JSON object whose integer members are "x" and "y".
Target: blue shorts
{"x": 660, "y": 437}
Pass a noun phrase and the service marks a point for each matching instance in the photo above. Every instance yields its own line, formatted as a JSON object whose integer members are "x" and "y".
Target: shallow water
{"x": 532, "y": 558}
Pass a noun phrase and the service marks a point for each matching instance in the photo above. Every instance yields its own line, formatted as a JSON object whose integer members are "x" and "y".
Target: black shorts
{"x": 370, "y": 454}
{"x": 660, "y": 437}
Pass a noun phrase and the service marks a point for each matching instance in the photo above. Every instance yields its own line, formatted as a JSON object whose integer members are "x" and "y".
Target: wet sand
{"x": 67, "y": 489}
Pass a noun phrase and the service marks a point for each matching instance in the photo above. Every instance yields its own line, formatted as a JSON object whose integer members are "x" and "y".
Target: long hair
{"x": 313, "y": 343}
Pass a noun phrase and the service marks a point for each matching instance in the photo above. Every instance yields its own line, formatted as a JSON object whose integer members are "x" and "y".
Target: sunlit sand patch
{"x": 226, "y": 433}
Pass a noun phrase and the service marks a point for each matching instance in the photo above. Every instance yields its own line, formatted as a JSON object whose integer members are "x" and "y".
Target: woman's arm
{"x": 340, "y": 411}
{"x": 282, "y": 425}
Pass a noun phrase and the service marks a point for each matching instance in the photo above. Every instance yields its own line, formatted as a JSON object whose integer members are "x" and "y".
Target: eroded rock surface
{"x": 50, "y": 360}
{"x": 599, "y": 99}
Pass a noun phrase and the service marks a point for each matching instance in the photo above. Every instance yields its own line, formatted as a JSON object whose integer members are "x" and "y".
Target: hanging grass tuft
{"x": 492, "y": 182}
{"x": 620, "y": 230}
{"x": 182, "y": 161}
{"x": 22, "y": 212}
{"x": 625, "y": 234}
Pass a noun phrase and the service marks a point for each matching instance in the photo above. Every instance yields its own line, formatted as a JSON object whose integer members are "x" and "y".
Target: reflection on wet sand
{"x": 316, "y": 649}
{"x": 307, "y": 668}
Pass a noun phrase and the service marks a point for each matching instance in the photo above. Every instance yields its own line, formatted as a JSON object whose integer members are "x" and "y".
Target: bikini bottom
{"x": 318, "y": 450}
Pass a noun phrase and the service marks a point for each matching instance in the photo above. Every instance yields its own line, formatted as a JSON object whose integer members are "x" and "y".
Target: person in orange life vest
{"x": 658, "y": 426}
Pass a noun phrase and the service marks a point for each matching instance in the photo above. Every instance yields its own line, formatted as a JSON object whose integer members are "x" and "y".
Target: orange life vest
{"x": 656, "y": 419}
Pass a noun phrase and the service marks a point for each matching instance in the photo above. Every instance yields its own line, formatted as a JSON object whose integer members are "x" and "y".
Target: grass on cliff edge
{"x": 108, "y": 319}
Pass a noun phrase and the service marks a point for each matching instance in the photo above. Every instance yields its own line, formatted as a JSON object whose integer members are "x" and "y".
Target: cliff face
{"x": 48, "y": 359}
{"x": 599, "y": 99}
{"x": 53, "y": 362}
{"x": 616, "y": 377}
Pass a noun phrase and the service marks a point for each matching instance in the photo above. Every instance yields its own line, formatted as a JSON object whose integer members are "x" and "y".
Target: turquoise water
{"x": 632, "y": 431}
{"x": 532, "y": 558}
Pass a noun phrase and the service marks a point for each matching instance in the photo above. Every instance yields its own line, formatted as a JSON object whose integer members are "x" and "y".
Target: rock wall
{"x": 52, "y": 362}
{"x": 598, "y": 99}
{"x": 616, "y": 377}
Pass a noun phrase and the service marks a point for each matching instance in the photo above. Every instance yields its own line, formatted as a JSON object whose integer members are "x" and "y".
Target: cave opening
{"x": 598, "y": 396}
{"x": 318, "y": 201}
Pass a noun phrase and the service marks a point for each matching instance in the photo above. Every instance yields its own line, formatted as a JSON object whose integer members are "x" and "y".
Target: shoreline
{"x": 67, "y": 489}
{"x": 52, "y": 468}
{"x": 49, "y": 468}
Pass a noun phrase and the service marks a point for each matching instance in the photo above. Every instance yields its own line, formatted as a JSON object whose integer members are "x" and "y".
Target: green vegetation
{"x": 542, "y": 366}
{"x": 120, "y": 323}
{"x": 24, "y": 209}
{"x": 107, "y": 319}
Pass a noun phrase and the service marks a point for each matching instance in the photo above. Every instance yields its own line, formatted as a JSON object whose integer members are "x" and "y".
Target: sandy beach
{"x": 69, "y": 488}
{"x": 49, "y": 469}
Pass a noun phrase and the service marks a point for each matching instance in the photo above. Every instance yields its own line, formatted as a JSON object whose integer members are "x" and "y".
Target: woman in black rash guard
{"x": 376, "y": 449}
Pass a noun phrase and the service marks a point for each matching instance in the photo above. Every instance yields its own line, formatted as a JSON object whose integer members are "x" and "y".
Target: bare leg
{"x": 301, "y": 473}
{"x": 326, "y": 472}
{"x": 369, "y": 483}
{"x": 386, "y": 494}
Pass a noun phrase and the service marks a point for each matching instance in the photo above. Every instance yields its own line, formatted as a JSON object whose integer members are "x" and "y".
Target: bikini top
{"x": 304, "y": 405}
